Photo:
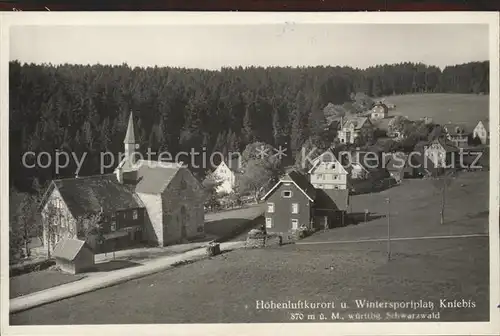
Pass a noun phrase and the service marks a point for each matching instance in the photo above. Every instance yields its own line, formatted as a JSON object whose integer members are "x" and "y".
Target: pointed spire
{"x": 130, "y": 136}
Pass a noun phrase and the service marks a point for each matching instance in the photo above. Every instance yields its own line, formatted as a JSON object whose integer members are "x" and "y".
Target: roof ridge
{"x": 83, "y": 177}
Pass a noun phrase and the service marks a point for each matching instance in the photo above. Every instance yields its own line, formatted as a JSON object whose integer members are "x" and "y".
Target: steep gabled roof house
{"x": 226, "y": 173}
{"x": 293, "y": 202}
{"x": 482, "y": 131}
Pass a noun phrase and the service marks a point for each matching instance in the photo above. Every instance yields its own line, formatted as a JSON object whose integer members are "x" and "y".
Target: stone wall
{"x": 260, "y": 241}
{"x": 183, "y": 191}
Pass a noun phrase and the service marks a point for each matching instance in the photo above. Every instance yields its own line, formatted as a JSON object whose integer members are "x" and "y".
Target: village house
{"x": 400, "y": 166}
{"x": 226, "y": 174}
{"x": 379, "y": 111}
{"x": 327, "y": 172}
{"x": 354, "y": 128}
{"x": 73, "y": 256}
{"x": 456, "y": 134}
{"x": 389, "y": 105}
{"x": 157, "y": 203}
{"x": 294, "y": 203}
{"x": 481, "y": 132}
{"x": 441, "y": 154}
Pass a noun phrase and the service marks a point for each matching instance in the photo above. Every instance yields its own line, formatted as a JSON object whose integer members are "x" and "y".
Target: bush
{"x": 31, "y": 267}
{"x": 303, "y": 232}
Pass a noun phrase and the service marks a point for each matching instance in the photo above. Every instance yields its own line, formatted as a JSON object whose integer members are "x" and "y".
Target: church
{"x": 143, "y": 202}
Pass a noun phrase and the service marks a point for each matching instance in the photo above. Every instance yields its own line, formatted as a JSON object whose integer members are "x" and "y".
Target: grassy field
{"x": 37, "y": 281}
{"x": 415, "y": 210}
{"x": 226, "y": 288}
{"x": 443, "y": 108}
{"x": 228, "y": 224}
{"x": 249, "y": 212}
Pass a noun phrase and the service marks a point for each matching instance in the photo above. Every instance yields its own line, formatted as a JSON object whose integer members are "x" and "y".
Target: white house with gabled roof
{"x": 327, "y": 172}
{"x": 481, "y": 131}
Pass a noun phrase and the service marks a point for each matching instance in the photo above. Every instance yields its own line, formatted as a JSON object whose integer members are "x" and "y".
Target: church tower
{"x": 126, "y": 170}
{"x": 129, "y": 141}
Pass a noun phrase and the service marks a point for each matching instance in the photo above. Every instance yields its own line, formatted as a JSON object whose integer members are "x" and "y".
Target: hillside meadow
{"x": 442, "y": 107}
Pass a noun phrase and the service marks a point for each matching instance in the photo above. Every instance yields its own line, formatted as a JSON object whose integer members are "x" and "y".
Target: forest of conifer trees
{"x": 85, "y": 108}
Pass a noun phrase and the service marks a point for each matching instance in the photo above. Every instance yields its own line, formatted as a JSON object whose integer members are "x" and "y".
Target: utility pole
{"x": 388, "y": 228}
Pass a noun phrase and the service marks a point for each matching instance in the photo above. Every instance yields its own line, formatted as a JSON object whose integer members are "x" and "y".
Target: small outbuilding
{"x": 73, "y": 256}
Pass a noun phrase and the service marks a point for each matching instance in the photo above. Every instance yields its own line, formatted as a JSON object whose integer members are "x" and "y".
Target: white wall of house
{"x": 227, "y": 178}
{"x": 348, "y": 135}
{"x": 436, "y": 154}
{"x": 154, "y": 220}
{"x": 480, "y": 132}
{"x": 329, "y": 175}
{"x": 63, "y": 224}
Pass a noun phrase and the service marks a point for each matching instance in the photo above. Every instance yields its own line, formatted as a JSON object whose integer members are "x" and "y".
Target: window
{"x": 295, "y": 208}
{"x": 270, "y": 207}
{"x": 113, "y": 226}
{"x": 135, "y": 214}
{"x": 269, "y": 223}
{"x": 335, "y": 176}
{"x": 286, "y": 194}
{"x": 295, "y": 224}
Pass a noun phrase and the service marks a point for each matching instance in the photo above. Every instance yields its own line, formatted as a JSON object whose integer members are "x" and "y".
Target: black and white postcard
{"x": 250, "y": 173}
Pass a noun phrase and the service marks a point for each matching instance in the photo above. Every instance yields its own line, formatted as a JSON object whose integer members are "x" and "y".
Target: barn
{"x": 73, "y": 256}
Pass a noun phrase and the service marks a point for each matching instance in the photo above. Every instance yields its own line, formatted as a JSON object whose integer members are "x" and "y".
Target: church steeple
{"x": 126, "y": 170}
{"x": 130, "y": 136}
{"x": 129, "y": 142}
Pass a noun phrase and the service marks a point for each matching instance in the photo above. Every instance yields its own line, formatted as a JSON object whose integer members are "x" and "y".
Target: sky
{"x": 215, "y": 46}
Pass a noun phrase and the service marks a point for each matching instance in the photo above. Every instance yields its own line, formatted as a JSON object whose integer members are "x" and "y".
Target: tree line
{"x": 85, "y": 108}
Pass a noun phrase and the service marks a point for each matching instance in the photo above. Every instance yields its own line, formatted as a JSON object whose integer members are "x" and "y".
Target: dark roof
{"x": 69, "y": 248}
{"x": 326, "y": 156}
{"x": 357, "y": 122}
{"x": 446, "y": 145}
{"x": 303, "y": 183}
{"x": 86, "y": 195}
{"x": 378, "y": 106}
{"x": 299, "y": 180}
{"x": 332, "y": 199}
{"x": 154, "y": 177}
